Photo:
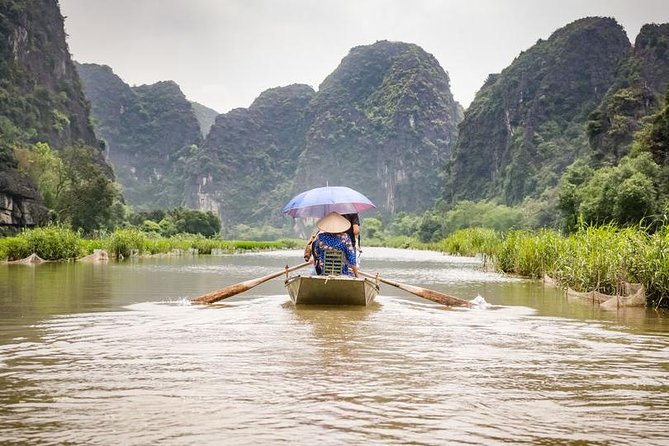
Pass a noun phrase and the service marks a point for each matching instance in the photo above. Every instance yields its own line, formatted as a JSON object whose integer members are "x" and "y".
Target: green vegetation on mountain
{"x": 636, "y": 93}
{"x": 143, "y": 128}
{"x": 526, "y": 124}
{"x": 384, "y": 123}
{"x": 245, "y": 169}
{"x": 41, "y": 101}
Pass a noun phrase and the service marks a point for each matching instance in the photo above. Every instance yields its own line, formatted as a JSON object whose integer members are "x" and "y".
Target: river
{"x": 114, "y": 353}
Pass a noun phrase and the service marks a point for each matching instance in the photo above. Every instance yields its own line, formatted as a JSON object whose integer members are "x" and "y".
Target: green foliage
{"x": 167, "y": 223}
{"x": 596, "y": 258}
{"x": 372, "y": 227}
{"x": 125, "y": 242}
{"x": 657, "y": 142}
{"x": 14, "y": 248}
{"x": 46, "y": 168}
{"x": 626, "y": 194}
{"x": 55, "y": 242}
{"x": 651, "y": 266}
{"x": 527, "y": 123}
{"x": 430, "y": 228}
{"x": 472, "y": 241}
{"x": 467, "y": 214}
{"x": 529, "y": 254}
{"x": 404, "y": 224}
{"x": 72, "y": 184}
{"x": 195, "y": 222}
{"x": 88, "y": 198}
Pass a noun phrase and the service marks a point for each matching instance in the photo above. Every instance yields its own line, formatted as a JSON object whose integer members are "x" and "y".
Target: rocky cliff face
{"x": 384, "y": 122}
{"x": 40, "y": 99}
{"x": 525, "y": 125}
{"x": 637, "y": 92}
{"x": 144, "y": 128}
{"x": 244, "y": 171}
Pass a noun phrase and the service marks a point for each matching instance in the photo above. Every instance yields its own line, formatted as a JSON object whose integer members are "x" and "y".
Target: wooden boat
{"x": 331, "y": 290}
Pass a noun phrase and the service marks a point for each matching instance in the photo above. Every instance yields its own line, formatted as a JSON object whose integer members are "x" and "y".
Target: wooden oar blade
{"x": 441, "y": 298}
{"x": 224, "y": 293}
{"x": 425, "y": 293}
{"x": 240, "y": 287}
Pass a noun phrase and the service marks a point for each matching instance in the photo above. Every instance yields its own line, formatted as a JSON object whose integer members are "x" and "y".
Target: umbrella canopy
{"x": 320, "y": 201}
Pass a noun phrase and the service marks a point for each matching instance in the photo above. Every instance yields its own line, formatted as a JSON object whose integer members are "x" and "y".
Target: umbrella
{"x": 320, "y": 201}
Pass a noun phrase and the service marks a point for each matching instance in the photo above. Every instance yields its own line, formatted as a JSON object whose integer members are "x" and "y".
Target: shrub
{"x": 53, "y": 242}
{"x": 123, "y": 242}
{"x": 14, "y": 248}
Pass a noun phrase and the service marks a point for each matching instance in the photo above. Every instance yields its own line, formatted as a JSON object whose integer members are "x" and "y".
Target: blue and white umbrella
{"x": 320, "y": 201}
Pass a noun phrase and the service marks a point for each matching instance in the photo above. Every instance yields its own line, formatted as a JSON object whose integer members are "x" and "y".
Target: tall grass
{"x": 530, "y": 254}
{"x": 651, "y": 266}
{"x": 472, "y": 241}
{"x": 124, "y": 242}
{"x": 61, "y": 243}
{"x": 50, "y": 243}
{"x": 596, "y": 258}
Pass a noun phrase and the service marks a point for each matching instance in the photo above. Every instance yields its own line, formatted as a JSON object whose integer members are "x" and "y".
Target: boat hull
{"x": 331, "y": 290}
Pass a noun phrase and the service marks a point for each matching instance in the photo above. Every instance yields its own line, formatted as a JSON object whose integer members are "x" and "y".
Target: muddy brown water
{"x": 115, "y": 354}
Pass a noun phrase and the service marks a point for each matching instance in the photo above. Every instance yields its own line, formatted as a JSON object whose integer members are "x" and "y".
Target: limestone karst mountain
{"x": 41, "y": 100}
{"x": 143, "y": 128}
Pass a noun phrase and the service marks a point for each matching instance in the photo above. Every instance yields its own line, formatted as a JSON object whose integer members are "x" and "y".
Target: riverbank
{"x": 603, "y": 259}
{"x": 61, "y": 243}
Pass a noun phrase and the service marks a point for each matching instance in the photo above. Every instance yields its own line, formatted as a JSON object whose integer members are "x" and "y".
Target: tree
{"x": 196, "y": 222}
{"x": 88, "y": 196}
{"x": 635, "y": 199}
{"x": 46, "y": 169}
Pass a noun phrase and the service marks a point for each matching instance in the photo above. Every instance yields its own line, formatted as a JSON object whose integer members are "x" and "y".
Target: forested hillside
{"x": 245, "y": 169}
{"x": 545, "y": 129}
{"x": 637, "y": 92}
{"x": 384, "y": 122}
{"x": 41, "y": 101}
{"x": 527, "y": 124}
{"x": 143, "y": 128}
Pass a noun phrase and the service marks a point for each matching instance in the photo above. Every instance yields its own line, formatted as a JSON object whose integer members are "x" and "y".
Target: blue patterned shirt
{"x": 340, "y": 242}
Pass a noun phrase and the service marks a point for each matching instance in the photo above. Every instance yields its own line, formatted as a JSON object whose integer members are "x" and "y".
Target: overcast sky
{"x": 224, "y": 53}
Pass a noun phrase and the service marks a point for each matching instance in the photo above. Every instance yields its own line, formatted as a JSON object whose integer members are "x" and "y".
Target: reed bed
{"x": 54, "y": 242}
{"x": 599, "y": 258}
{"x": 61, "y": 243}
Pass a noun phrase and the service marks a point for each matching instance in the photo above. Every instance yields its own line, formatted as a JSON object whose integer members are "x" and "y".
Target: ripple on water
{"x": 258, "y": 370}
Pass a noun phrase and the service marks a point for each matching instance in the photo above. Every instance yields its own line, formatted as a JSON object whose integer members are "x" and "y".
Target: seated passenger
{"x": 333, "y": 236}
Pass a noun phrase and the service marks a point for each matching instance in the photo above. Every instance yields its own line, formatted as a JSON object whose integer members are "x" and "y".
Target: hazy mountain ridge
{"x": 144, "y": 128}
{"x": 383, "y": 122}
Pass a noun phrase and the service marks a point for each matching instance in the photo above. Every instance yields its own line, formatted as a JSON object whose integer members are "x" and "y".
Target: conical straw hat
{"x": 333, "y": 223}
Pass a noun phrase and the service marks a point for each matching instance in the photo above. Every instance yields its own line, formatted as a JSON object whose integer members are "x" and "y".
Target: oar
{"x": 425, "y": 293}
{"x": 240, "y": 287}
